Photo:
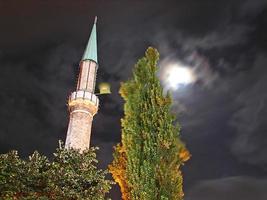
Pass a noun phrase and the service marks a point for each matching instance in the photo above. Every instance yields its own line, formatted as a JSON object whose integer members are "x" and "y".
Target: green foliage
{"x": 150, "y": 141}
{"x": 70, "y": 175}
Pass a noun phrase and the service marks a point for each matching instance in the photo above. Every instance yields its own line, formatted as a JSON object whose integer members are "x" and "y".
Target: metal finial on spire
{"x": 95, "y": 19}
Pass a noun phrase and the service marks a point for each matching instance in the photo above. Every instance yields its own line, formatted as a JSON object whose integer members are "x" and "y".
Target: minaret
{"x": 83, "y": 103}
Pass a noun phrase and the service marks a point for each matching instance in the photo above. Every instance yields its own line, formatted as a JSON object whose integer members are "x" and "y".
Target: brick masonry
{"x": 83, "y": 105}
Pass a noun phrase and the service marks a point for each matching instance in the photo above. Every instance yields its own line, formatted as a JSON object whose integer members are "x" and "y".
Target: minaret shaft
{"x": 83, "y": 103}
{"x": 79, "y": 130}
{"x": 87, "y": 76}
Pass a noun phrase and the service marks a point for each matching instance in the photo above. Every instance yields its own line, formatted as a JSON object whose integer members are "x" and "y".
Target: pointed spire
{"x": 90, "y": 52}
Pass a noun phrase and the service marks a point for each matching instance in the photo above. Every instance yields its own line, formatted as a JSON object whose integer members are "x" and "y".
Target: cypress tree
{"x": 147, "y": 162}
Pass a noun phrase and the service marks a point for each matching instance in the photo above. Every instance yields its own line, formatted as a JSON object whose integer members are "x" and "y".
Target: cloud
{"x": 252, "y": 7}
{"x": 33, "y": 100}
{"x": 226, "y": 36}
{"x": 250, "y": 142}
{"x": 231, "y": 188}
{"x": 228, "y": 98}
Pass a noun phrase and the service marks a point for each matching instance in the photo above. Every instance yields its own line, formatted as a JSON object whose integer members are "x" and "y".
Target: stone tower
{"x": 83, "y": 103}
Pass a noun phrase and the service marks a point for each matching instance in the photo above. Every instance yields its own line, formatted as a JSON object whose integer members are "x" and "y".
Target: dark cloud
{"x": 231, "y": 188}
{"x": 250, "y": 143}
{"x": 226, "y": 36}
{"x": 33, "y": 99}
{"x": 252, "y": 8}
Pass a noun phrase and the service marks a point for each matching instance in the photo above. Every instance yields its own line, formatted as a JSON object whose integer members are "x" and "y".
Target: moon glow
{"x": 177, "y": 75}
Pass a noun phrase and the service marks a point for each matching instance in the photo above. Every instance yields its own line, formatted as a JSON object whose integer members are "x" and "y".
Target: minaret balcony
{"x": 85, "y": 99}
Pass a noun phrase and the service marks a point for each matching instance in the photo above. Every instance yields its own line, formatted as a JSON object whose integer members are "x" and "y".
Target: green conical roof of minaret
{"x": 90, "y": 52}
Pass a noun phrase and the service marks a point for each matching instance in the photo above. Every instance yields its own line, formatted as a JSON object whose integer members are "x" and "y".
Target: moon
{"x": 177, "y": 75}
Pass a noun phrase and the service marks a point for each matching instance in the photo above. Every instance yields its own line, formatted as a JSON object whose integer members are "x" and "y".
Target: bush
{"x": 69, "y": 175}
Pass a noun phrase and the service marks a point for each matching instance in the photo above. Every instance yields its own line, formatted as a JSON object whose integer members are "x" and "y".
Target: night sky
{"x": 222, "y": 113}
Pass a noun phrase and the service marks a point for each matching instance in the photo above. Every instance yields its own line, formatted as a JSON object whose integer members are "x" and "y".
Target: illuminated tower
{"x": 83, "y": 103}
